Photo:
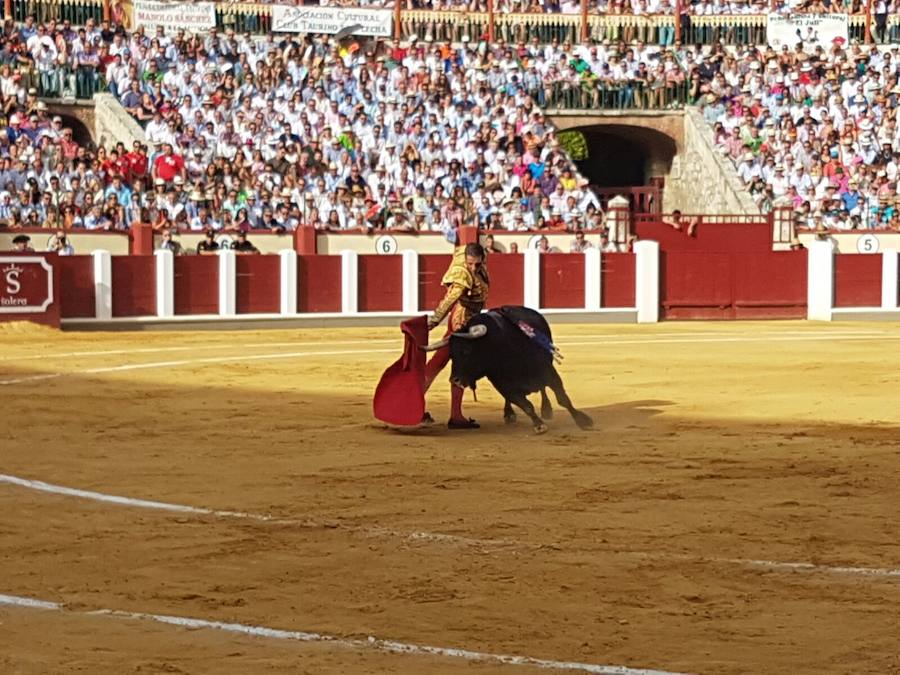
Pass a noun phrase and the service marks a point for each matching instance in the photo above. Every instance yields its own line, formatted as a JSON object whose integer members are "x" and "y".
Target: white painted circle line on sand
{"x": 584, "y": 336}
{"x": 346, "y": 352}
{"x": 372, "y": 643}
{"x": 376, "y": 531}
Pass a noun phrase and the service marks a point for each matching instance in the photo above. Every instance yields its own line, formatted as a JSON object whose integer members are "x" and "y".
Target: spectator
{"x": 22, "y": 244}
{"x": 208, "y": 245}
{"x": 580, "y": 243}
{"x": 242, "y": 245}
{"x": 59, "y": 243}
{"x": 544, "y": 246}
{"x": 677, "y": 222}
{"x": 168, "y": 243}
{"x": 490, "y": 246}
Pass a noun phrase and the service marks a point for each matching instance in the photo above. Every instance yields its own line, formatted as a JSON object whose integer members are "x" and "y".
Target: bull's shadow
{"x": 614, "y": 416}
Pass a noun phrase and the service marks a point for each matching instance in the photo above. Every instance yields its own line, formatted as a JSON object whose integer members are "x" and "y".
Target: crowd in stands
{"x": 813, "y": 129}
{"x": 636, "y": 7}
{"x": 271, "y": 134}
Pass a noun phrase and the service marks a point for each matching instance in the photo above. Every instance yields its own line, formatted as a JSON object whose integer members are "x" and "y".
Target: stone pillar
{"x": 618, "y": 220}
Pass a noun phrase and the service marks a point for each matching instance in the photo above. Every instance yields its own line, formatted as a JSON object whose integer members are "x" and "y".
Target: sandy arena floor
{"x": 735, "y": 510}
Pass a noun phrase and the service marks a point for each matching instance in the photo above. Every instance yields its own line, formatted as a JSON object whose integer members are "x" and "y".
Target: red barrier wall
{"x": 507, "y": 279}
{"x": 562, "y": 280}
{"x": 695, "y": 285}
{"x": 769, "y": 285}
{"x": 133, "y": 285}
{"x": 258, "y": 284}
{"x": 380, "y": 283}
{"x": 710, "y": 237}
{"x": 76, "y": 282}
{"x": 319, "y": 283}
{"x": 617, "y": 272}
{"x": 857, "y": 280}
{"x": 760, "y": 285}
{"x": 431, "y": 271}
{"x": 196, "y": 284}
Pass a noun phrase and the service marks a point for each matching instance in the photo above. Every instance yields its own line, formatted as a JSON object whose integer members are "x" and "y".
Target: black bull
{"x": 497, "y": 345}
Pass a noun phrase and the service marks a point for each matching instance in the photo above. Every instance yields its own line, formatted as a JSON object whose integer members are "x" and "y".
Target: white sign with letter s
{"x": 26, "y": 284}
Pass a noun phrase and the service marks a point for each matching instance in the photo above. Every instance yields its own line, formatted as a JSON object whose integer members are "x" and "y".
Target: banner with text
{"x": 193, "y": 17}
{"x": 810, "y": 29}
{"x": 331, "y": 20}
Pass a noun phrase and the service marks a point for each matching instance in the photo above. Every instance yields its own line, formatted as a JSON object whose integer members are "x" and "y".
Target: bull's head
{"x": 466, "y": 368}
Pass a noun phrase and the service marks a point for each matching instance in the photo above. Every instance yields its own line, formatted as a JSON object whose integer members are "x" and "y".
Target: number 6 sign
{"x": 386, "y": 245}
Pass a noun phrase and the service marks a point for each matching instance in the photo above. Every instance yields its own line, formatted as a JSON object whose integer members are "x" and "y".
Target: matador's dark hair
{"x": 475, "y": 250}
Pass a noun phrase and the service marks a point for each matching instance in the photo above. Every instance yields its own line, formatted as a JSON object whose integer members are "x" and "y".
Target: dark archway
{"x": 80, "y": 133}
{"x": 613, "y": 161}
{"x": 622, "y": 155}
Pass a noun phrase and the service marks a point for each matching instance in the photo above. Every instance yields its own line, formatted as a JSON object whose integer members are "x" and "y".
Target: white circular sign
{"x": 535, "y": 241}
{"x": 386, "y": 245}
{"x": 867, "y": 243}
{"x": 224, "y": 241}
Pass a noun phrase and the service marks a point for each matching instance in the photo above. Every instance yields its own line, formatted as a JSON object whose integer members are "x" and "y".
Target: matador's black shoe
{"x": 463, "y": 424}
{"x": 427, "y": 419}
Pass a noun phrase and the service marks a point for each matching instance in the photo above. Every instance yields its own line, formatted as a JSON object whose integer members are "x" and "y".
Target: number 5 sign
{"x": 867, "y": 243}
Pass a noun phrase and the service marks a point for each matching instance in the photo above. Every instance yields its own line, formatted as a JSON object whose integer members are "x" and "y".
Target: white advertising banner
{"x": 193, "y": 17}
{"x": 331, "y": 20}
{"x": 811, "y": 29}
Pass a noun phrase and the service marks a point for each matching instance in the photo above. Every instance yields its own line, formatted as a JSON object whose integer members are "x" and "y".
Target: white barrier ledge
{"x": 592, "y": 279}
{"x": 820, "y": 281}
{"x": 410, "y": 282}
{"x": 102, "y": 284}
{"x": 646, "y": 281}
{"x": 227, "y": 282}
{"x": 349, "y": 282}
{"x": 531, "y": 265}
{"x": 288, "y": 303}
{"x": 890, "y": 279}
{"x": 165, "y": 284}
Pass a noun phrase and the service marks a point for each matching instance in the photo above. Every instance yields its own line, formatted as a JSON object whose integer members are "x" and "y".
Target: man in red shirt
{"x": 137, "y": 162}
{"x": 168, "y": 165}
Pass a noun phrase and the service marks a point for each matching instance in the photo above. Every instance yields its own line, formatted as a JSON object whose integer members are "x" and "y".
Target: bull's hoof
{"x": 547, "y": 412}
{"x": 510, "y": 419}
{"x": 582, "y": 420}
{"x": 540, "y": 428}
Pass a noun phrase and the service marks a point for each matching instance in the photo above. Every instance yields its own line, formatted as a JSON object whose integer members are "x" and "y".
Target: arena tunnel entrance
{"x": 80, "y": 133}
{"x": 636, "y": 153}
{"x": 613, "y": 161}
{"x": 620, "y": 155}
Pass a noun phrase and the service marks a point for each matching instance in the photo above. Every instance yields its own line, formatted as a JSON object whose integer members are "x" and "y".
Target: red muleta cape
{"x": 400, "y": 395}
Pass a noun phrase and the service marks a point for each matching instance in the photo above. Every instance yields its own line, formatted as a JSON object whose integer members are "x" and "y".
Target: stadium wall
{"x": 701, "y": 180}
{"x": 101, "y": 291}
{"x": 113, "y": 124}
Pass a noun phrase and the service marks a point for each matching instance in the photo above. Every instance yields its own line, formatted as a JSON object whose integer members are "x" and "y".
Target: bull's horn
{"x": 477, "y": 331}
{"x": 436, "y": 345}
